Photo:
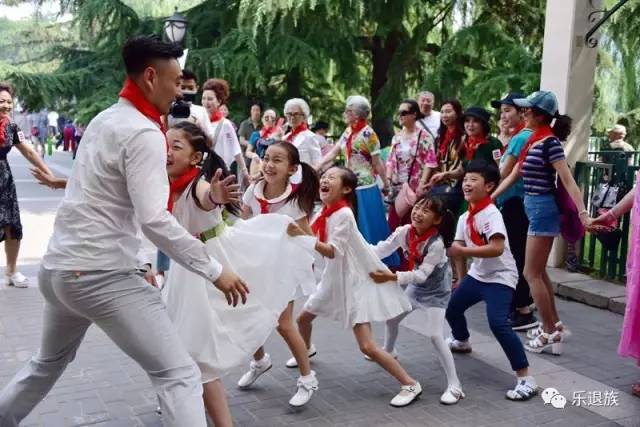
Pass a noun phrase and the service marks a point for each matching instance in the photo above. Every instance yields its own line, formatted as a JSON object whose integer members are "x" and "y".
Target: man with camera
{"x": 185, "y": 108}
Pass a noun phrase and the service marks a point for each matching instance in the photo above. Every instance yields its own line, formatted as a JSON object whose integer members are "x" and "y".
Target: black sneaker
{"x": 522, "y": 322}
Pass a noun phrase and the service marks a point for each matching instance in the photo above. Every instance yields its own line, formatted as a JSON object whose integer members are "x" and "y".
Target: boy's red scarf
{"x": 179, "y": 185}
{"x": 296, "y": 131}
{"x": 539, "y": 134}
{"x": 216, "y": 116}
{"x": 319, "y": 226}
{"x": 450, "y": 135}
{"x": 414, "y": 242}
{"x": 132, "y": 93}
{"x": 355, "y": 129}
{"x": 472, "y": 144}
{"x": 475, "y": 235}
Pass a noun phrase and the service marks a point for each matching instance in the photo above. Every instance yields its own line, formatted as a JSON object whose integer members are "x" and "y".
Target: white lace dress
{"x": 218, "y": 336}
{"x": 346, "y": 293}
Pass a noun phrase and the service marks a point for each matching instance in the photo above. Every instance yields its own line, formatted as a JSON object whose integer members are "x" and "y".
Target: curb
{"x": 587, "y": 290}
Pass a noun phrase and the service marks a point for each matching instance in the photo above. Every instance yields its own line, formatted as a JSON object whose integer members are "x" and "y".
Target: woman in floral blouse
{"x": 360, "y": 147}
{"x": 411, "y": 160}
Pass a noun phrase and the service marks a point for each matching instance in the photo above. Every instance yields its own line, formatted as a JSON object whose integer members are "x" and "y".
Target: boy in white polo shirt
{"x": 493, "y": 275}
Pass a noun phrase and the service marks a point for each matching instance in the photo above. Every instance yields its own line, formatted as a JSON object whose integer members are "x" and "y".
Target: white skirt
{"x": 218, "y": 336}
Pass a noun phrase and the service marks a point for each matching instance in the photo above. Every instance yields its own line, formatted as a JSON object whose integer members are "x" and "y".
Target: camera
{"x": 180, "y": 109}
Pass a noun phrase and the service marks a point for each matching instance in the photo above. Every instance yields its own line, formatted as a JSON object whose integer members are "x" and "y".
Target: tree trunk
{"x": 294, "y": 83}
{"x": 382, "y": 51}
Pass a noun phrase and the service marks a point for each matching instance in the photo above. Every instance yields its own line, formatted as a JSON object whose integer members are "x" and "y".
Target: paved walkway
{"x": 102, "y": 387}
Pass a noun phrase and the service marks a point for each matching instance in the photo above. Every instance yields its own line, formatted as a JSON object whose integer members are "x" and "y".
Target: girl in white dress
{"x": 276, "y": 193}
{"x": 346, "y": 293}
{"x": 427, "y": 280}
{"x": 219, "y": 336}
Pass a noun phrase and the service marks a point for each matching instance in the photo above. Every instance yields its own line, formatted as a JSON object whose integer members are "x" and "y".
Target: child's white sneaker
{"x": 408, "y": 393}
{"x": 17, "y": 279}
{"x": 452, "y": 395}
{"x": 306, "y": 386}
{"x": 458, "y": 346}
{"x": 256, "y": 368}
{"x": 525, "y": 389}
{"x": 293, "y": 363}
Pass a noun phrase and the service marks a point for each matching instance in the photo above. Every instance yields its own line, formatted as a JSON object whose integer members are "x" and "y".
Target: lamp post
{"x": 175, "y": 27}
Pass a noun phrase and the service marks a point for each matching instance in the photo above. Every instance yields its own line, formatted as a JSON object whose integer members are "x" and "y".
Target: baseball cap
{"x": 508, "y": 99}
{"x": 542, "y": 99}
{"x": 479, "y": 113}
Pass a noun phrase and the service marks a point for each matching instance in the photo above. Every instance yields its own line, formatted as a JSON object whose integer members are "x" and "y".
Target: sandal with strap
{"x": 535, "y": 332}
{"x": 546, "y": 342}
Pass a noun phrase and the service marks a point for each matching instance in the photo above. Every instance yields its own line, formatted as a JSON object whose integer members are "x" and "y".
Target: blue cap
{"x": 543, "y": 100}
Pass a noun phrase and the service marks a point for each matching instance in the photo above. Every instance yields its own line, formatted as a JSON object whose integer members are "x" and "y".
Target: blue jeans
{"x": 498, "y": 299}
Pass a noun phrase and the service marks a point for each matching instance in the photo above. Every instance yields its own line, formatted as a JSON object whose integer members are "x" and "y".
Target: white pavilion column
{"x": 568, "y": 69}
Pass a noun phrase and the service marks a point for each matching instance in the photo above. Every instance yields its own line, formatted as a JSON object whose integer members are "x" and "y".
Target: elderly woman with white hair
{"x": 297, "y": 111}
{"x": 361, "y": 150}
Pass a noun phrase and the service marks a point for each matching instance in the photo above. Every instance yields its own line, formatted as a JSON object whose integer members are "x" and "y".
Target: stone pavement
{"x": 103, "y": 387}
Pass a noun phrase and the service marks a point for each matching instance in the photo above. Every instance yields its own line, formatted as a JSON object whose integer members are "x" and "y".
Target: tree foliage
{"x": 323, "y": 51}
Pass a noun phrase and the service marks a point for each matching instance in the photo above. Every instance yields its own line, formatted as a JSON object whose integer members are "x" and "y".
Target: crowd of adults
{"x": 429, "y": 154}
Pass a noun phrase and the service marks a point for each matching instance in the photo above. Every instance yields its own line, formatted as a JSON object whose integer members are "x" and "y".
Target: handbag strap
{"x": 216, "y": 134}
{"x": 415, "y": 155}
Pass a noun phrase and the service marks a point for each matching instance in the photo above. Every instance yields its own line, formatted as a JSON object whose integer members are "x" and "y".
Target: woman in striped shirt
{"x": 539, "y": 162}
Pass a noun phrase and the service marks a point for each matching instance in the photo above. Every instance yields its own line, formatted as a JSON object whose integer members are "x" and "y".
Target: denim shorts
{"x": 543, "y": 214}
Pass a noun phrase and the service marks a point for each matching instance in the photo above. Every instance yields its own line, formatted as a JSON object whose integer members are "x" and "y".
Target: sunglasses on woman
{"x": 403, "y": 113}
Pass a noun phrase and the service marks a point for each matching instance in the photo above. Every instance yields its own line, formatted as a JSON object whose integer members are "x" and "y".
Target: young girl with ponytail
{"x": 218, "y": 336}
{"x": 275, "y": 193}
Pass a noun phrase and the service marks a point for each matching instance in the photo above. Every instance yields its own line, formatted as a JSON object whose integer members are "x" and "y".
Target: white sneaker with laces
{"x": 408, "y": 393}
{"x": 458, "y": 346}
{"x": 306, "y": 386}
{"x": 256, "y": 368}
{"x": 452, "y": 395}
{"x": 525, "y": 389}
{"x": 17, "y": 279}
{"x": 293, "y": 363}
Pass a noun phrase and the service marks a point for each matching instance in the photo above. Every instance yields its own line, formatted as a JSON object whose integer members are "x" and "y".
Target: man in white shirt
{"x": 118, "y": 187}
{"x": 431, "y": 120}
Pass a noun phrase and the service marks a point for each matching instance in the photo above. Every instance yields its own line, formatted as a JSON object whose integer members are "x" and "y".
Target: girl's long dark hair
{"x": 561, "y": 128}
{"x": 349, "y": 180}
{"x": 211, "y": 161}
{"x": 457, "y": 107}
{"x": 307, "y": 192}
{"x": 446, "y": 228}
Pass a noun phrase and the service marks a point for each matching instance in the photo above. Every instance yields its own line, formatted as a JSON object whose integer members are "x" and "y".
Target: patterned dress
{"x": 372, "y": 221}
{"x": 10, "y": 135}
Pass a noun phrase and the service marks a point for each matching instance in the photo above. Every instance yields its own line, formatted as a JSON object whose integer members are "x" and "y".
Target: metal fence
{"x": 613, "y": 167}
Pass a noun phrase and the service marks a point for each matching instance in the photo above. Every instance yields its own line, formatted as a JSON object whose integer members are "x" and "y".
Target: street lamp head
{"x": 175, "y": 27}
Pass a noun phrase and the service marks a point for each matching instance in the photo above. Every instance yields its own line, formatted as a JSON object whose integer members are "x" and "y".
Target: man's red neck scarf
{"x": 538, "y": 135}
{"x": 475, "y": 235}
{"x": 472, "y": 143}
{"x": 319, "y": 226}
{"x": 216, "y": 116}
{"x": 132, "y": 93}
{"x": 299, "y": 129}
{"x": 355, "y": 129}
{"x": 180, "y": 184}
{"x": 450, "y": 135}
{"x": 414, "y": 242}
